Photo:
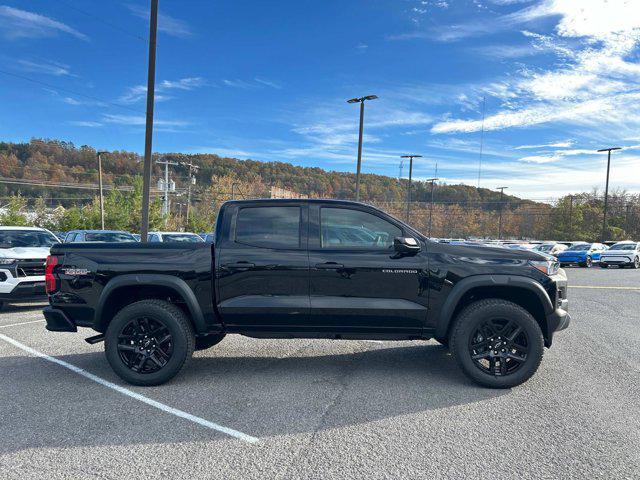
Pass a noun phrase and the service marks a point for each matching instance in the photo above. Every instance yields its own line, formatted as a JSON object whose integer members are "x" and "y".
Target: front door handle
{"x": 329, "y": 266}
{"x": 239, "y": 265}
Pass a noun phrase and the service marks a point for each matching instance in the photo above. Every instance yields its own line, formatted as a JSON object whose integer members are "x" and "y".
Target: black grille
{"x": 30, "y": 268}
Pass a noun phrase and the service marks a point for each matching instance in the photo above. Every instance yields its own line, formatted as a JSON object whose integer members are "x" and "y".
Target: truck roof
{"x": 9, "y": 227}
{"x": 299, "y": 200}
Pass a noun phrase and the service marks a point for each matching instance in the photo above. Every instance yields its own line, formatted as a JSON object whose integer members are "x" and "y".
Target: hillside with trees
{"x": 57, "y": 183}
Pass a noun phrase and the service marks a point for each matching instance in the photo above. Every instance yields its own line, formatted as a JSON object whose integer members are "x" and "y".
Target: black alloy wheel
{"x": 497, "y": 343}
{"x": 145, "y": 345}
{"x": 499, "y": 347}
{"x": 149, "y": 341}
{"x": 636, "y": 262}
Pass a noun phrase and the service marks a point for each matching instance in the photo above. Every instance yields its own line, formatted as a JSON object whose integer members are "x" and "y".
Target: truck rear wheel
{"x": 497, "y": 343}
{"x": 148, "y": 342}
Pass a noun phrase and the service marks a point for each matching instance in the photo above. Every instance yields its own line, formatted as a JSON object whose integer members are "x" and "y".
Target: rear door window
{"x": 269, "y": 227}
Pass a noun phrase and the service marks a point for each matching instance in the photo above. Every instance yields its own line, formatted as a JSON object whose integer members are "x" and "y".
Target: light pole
{"x": 432, "y": 180}
{"x": 410, "y": 157}
{"x": 606, "y": 190}
{"x": 100, "y": 187}
{"x": 361, "y": 101}
{"x": 501, "y": 205}
{"x": 148, "y": 140}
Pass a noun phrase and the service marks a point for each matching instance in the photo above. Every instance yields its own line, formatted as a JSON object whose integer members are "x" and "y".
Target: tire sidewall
{"x": 168, "y": 317}
{"x": 469, "y": 321}
{"x": 636, "y": 262}
{"x": 589, "y": 262}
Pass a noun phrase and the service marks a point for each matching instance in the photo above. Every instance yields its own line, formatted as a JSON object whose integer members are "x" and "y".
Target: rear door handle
{"x": 329, "y": 266}
{"x": 238, "y": 265}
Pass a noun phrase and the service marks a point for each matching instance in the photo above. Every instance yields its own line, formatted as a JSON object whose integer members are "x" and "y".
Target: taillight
{"x": 50, "y": 280}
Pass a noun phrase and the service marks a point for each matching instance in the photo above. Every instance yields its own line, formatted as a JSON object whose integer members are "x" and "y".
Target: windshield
{"x": 581, "y": 247}
{"x": 544, "y": 248}
{"x": 180, "y": 237}
{"x": 623, "y": 246}
{"x": 26, "y": 238}
{"x": 109, "y": 237}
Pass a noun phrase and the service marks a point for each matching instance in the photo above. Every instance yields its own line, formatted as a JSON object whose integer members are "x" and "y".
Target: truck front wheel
{"x": 148, "y": 342}
{"x": 497, "y": 343}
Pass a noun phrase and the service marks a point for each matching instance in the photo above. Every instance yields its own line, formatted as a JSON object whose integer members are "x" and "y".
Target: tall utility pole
{"x": 100, "y": 187}
{"x": 432, "y": 180}
{"x": 570, "y": 217}
{"x": 361, "y": 101}
{"x": 191, "y": 181}
{"x": 606, "y": 191}
{"x": 148, "y": 139}
{"x": 501, "y": 206}
{"x": 165, "y": 207}
{"x": 410, "y": 157}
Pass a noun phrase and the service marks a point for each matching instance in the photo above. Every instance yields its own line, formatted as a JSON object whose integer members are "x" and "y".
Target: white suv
{"x": 623, "y": 254}
{"x": 23, "y": 253}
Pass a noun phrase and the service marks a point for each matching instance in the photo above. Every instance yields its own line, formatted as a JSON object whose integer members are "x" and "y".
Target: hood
{"x": 572, "y": 252}
{"x": 619, "y": 253}
{"x": 25, "y": 252}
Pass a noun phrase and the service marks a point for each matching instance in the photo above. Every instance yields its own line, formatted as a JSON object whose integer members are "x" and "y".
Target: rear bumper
{"x": 57, "y": 321}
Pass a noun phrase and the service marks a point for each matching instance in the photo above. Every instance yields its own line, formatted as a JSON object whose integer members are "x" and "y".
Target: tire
{"x": 636, "y": 262}
{"x": 1, "y": 305}
{"x": 490, "y": 371}
{"x": 125, "y": 342}
{"x": 208, "y": 341}
{"x": 588, "y": 263}
{"x": 602, "y": 265}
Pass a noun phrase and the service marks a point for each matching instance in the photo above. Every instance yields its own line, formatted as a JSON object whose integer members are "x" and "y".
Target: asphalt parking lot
{"x": 330, "y": 409}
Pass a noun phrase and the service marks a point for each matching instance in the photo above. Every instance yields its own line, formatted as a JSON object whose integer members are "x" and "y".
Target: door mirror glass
{"x": 406, "y": 245}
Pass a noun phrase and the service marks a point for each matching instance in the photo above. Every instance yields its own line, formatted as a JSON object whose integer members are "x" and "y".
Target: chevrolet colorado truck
{"x": 23, "y": 252}
{"x": 308, "y": 269}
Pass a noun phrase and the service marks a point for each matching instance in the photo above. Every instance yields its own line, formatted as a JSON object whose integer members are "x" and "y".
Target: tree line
{"x": 457, "y": 211}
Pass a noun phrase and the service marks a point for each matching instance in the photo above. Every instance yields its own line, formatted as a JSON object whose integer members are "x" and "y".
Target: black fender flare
{"x": 475, "y": 281}
{"x": 153, "y": 279}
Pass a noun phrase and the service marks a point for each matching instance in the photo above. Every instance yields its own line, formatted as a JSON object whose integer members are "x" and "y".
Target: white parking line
{"x": 21, "y": 323}
{"x": 125, "y": 391}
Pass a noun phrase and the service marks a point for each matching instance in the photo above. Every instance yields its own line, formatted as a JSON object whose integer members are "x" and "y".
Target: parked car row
{"x": 583, "y": 254}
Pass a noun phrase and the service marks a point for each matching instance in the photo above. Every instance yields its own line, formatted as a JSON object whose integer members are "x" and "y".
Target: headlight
{"x": 7, "y": 261}
{"x": 548, "y": 267}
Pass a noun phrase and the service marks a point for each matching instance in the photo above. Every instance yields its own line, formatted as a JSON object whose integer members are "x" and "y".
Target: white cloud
{"x": 16, "y": 23}
{"x": 594, "y": 85}
{"x": 268, "y": 83}
{"x": 167, "y": 24}
{"x": 563, "y": 144}
{"x": 84, "y": 123}
{"x": 48, "y": 68}
{"x": 139, "y": 92}
{"x": 138, "y": 120}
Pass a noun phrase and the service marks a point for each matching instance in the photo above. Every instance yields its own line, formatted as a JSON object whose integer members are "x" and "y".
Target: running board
{"x": 95, "y": 339}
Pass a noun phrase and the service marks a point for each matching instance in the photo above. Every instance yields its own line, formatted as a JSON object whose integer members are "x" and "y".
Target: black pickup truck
{"x": 308, "y": 269}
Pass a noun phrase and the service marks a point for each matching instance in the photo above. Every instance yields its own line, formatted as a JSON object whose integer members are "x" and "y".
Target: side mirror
{"x": 406, "y": 245}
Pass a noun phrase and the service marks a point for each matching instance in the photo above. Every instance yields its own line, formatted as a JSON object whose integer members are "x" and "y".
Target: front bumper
{"x": 57, "y": 321}
{"x": 617, "y": 260}
{"x": 21, "y": 289}
{"x": 572, "y": 260}
{"x": 559, "y": 318}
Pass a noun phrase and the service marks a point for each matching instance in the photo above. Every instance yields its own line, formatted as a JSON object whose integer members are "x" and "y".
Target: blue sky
{"x": 270, "y": 80}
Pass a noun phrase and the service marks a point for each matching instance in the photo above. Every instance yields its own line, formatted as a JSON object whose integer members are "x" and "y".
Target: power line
{"x": 66, "y": 90}
{"x": 98, "y": 19}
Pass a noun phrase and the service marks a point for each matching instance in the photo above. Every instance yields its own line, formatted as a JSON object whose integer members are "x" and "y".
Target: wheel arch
{"x": 126, "y": 289}
{"x": 523, "y": 291}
